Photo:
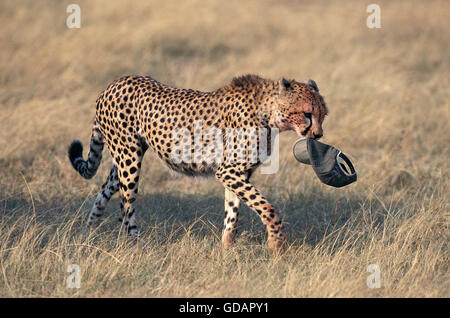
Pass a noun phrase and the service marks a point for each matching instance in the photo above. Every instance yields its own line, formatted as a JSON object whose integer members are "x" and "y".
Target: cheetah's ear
{"x": 284, "y": 85}
{"x": 313, "y": 85}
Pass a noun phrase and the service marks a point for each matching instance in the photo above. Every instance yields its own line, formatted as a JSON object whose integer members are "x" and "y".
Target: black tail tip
{"x": 75, "y": 150}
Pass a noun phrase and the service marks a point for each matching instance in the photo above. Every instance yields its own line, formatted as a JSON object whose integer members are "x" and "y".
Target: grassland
{"x": 388, "y": 94}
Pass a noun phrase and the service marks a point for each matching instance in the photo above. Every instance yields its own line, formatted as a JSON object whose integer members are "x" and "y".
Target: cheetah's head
{"x": 300, "y": 108}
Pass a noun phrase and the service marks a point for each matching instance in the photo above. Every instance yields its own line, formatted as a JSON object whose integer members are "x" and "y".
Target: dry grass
{"x": 388, "y": 95}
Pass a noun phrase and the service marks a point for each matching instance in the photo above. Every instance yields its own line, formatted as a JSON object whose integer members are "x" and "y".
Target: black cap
{"x": 325, "y": 162}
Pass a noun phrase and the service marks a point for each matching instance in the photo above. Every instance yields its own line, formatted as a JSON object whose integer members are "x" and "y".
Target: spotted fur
{"x": 135, "y": 113}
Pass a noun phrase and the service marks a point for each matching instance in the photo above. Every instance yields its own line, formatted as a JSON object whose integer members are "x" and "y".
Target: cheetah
{"x": 135, "y": 113}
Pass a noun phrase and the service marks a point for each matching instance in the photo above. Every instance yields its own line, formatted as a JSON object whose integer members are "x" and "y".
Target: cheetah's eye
{"x": 308, "y": 115}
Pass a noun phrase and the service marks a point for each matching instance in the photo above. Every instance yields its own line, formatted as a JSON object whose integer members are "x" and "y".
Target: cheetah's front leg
{"x": 232, "y": 203}
{"x": 235, "y": 179}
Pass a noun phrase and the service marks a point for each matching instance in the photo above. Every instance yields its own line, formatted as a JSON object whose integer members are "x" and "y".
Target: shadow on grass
{"x": 169, "y": 217}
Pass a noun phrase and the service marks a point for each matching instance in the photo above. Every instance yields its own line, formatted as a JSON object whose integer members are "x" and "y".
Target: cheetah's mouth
{"x": 309, "y": 121}
{"x": 305, "y": 132}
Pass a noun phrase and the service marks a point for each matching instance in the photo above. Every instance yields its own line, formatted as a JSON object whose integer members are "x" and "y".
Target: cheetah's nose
{"x": 317, "y": 136}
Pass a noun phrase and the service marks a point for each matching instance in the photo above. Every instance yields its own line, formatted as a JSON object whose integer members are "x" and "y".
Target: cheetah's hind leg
{"x": 109, "y": 188}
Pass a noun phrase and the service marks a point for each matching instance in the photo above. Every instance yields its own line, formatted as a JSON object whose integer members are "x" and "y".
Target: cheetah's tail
{"x": 87, "y": 169}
